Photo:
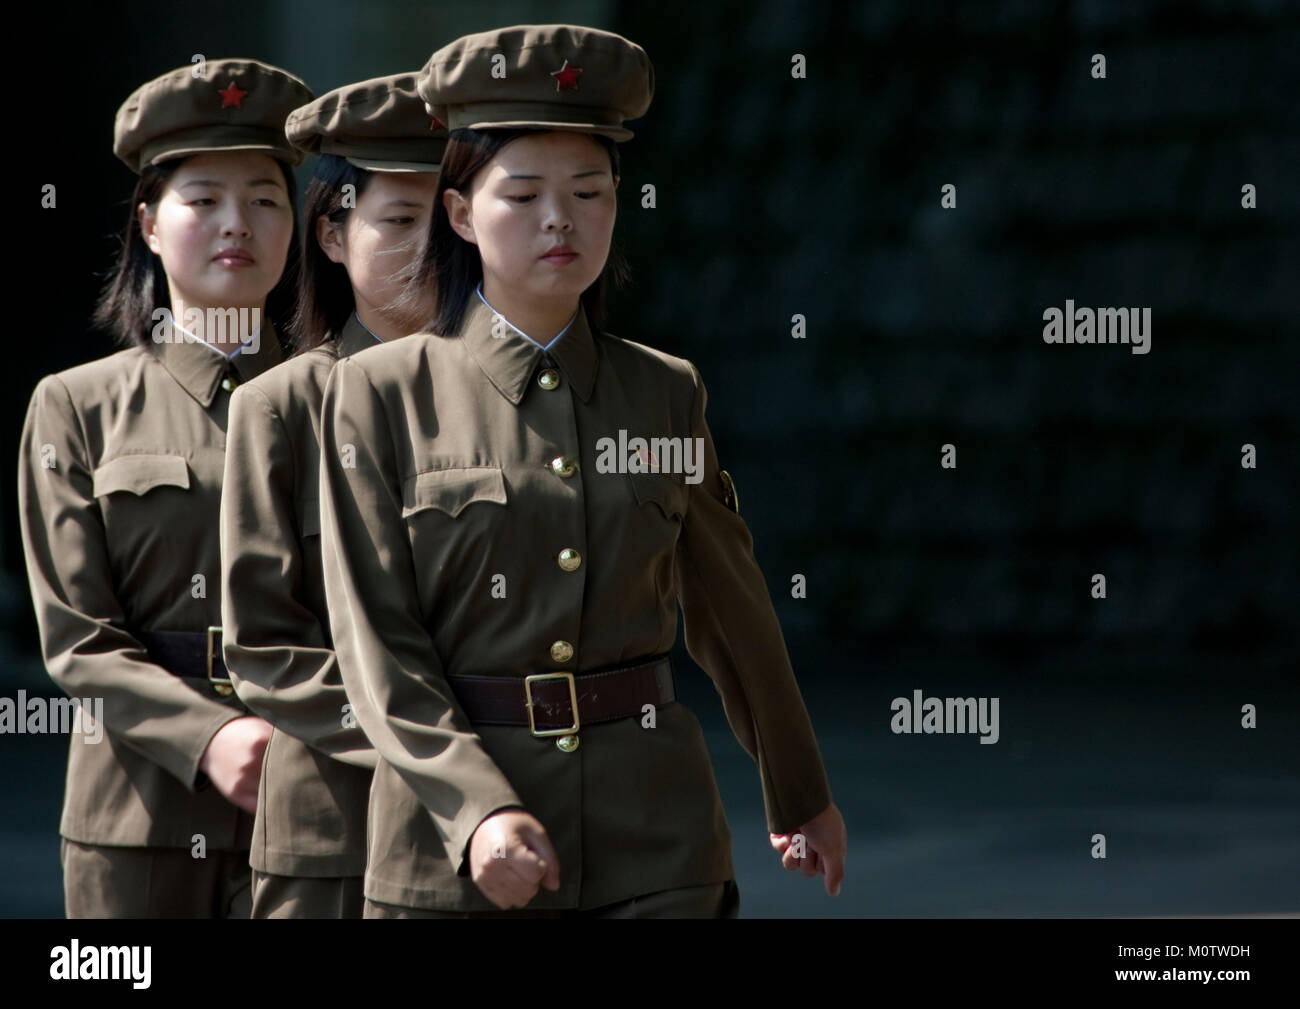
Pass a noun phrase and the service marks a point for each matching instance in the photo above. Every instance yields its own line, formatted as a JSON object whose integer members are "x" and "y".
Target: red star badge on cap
{"x": 232, "y": 96}
{"x": 435, "y": 123}
{"x": 566, "y": 78}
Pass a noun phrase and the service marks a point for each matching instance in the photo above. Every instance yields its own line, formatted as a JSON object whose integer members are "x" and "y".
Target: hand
{"x": 233, "y": 760}
{"x": 509, "y": 856}
{"x": 825, "y": 843}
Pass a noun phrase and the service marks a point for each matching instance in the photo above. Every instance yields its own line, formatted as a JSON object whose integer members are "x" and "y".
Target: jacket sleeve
{"x": 87, "y": 649}
{"x": 732, "y": 631}
{"x": 387, "y": 658}
{"x": 278, "y": 654}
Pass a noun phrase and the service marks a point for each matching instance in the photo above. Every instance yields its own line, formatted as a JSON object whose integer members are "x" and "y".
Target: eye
{"x": 588, "y": 196}
{"x": 398, "y": 220}
{"x": 266, "y": 201}
{"x": 202, "y": 201}
{"x": 520, "y": 199}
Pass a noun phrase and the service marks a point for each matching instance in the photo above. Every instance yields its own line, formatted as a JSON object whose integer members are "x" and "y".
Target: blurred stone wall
{"x": 821, "y": 196}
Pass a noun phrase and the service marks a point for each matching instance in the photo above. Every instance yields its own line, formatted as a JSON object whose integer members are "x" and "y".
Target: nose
{"x": 557, "y": 218}
{"x": 235, "y": 224}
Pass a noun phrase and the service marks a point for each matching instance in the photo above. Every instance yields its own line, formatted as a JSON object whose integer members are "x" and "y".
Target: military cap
{"x": 562, "y": 77}
{"x": 216, "y": 105}
{"x": 378, "y": 124}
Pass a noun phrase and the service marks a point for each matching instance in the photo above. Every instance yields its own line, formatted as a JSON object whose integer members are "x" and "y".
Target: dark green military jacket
{"x": 119, "y": 483}
{"x": 311, "y": 808}
{"x": 461, "y": 479}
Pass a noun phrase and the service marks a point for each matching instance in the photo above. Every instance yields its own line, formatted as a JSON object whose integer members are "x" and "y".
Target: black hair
{"x": 456, "y": 263}
{"x": 137, "y": 285}
{"x": 325, "y": 298}
{"x": 325, "y": 293}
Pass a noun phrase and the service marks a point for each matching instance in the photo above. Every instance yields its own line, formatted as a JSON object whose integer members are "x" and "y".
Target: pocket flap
{"x": 140, "y": 474}
{"x": 450, "y": 490}
{"x": 669, "y": 494}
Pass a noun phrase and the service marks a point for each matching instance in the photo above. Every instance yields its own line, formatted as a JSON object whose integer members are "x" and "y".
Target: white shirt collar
{"x": 195, "y": 339}
{"x": 479, "y": 291}
{"x": 364, "y": 326}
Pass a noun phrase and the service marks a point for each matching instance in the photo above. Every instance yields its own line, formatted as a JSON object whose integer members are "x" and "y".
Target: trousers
{"x": 712, "y": 900}
{"x": 104, "y": 881}
{"x": 306, "y": 896}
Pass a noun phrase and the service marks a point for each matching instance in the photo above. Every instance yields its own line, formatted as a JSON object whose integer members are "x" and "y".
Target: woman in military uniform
{"x": 513, "y": 507}
{"x": 119, "y": 484}
{"x": 368, "y": 208}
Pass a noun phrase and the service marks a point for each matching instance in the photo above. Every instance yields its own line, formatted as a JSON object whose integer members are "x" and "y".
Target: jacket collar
{"x": 199, "y": 370}
{"x": 509, "y": 360}
{"x": 354, "y": 337}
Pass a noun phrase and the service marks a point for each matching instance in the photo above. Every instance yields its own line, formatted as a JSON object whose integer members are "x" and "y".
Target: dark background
{"x": 821, "y": 197}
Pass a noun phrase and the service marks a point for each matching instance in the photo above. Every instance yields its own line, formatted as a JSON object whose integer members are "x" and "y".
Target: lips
{"x": 234, "y": 257}
{"x": 560, "y": 254}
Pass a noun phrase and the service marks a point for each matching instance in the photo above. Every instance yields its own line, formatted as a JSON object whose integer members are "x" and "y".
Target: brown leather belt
{"x": 555, "y": 703}
{"x": 189, "y": 654}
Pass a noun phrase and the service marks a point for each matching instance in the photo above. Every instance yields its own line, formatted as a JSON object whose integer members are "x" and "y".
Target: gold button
{"x": 563, "y": 466}
{"x": 729, "y": 496}
{"x": 567, "y": 743}
{"x": 561, "y": 651}
{"x": 549, "y": 379}
{"x": 223, "y": 689}
{"x": 227, "y": 383}
{"x": 570, "y": 559}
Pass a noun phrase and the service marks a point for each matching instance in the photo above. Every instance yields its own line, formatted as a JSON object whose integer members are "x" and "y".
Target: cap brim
{"x": 614, "y": 132}
{"x": 289, "y": 154}
{"x": 376, "y": 165}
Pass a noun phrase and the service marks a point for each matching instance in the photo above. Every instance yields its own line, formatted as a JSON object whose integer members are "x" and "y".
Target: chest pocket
{"x": 139, "y": 474}
{"x": 452, "y": 490}
{"x": 664, "y": 491}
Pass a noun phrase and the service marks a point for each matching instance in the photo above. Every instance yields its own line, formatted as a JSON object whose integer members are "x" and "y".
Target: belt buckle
{"x": 221, "y": 684}
{"x": 573, "y": 700}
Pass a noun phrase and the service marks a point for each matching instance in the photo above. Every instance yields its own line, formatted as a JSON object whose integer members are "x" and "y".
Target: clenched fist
{"x": 825, "y": 842}
{"x": 510, "y": 856}
{"x": 233, "y": 760}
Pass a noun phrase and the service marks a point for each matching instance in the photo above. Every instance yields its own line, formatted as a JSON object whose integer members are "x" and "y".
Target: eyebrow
{"x": 576, "y": 175}
{"x": 221, "y": 185}
{"x": 404, "y": 203}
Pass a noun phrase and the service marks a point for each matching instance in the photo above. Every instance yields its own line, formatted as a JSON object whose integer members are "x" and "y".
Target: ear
{"x": 458, "y": 214}
{"x": 617, "y": 180}
{"x": 329, "y": 236}
{"x": 148, "y": 220}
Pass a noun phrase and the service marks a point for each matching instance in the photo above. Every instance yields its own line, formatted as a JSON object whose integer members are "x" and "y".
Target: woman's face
{"x": 380, "y": 238}
{"x": 222, "y": 229}
{"x": 542, "y": 215}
